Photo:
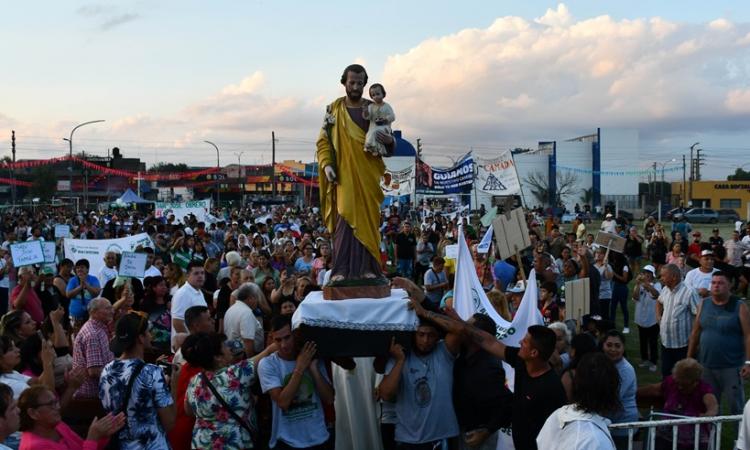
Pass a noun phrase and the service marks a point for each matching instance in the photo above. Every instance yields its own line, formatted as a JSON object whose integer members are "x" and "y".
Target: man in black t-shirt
{"x": 405, "y": 248}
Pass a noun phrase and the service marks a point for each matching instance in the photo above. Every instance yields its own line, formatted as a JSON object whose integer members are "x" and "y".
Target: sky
{"x": 481, "y": 76}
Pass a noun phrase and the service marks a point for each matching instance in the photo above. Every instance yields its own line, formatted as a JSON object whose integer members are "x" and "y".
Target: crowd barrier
{"x": 675, "y": 421}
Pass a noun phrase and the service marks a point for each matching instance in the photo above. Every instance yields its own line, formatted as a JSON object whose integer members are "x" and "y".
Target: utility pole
{"x": 239, "y": 174}
{"x": 654, "y": 190}
{"x": 683, "y": 192}
{"x": 218, "y": 175}
{"x": 692, "y": 171}
{"x": 273, "y": 165}
{"x": 13, "y": 169}
{"x": 698, "y": 163}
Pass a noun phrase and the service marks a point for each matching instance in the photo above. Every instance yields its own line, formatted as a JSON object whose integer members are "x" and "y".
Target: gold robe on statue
{"x": 357, "y": 192}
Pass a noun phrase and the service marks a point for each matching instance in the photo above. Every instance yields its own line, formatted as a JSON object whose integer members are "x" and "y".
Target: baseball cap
{"x": 608, "y": 215}
{"x": 649, "y": 268}
{"x": 707, "y": 253}
{"x": 127, "y": 330}
{"x": 518, "y": 287}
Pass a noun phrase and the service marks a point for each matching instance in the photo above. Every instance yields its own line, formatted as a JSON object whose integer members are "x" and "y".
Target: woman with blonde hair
{"x": 500, "y": 303}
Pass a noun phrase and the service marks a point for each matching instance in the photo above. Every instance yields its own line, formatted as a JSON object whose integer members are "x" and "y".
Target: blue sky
{"x": 166, "y": 75}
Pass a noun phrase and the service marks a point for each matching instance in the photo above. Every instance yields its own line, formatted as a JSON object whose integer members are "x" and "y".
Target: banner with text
{"x": 198, "y": 208}
{"x": 398, "y": 182}
{"x": 456, "y": 180}
{"x": 498, "y": 176}
{"x": 94, "y": 249}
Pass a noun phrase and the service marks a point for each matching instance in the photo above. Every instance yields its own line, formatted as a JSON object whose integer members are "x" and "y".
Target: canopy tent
{"x": 129, "y": 197}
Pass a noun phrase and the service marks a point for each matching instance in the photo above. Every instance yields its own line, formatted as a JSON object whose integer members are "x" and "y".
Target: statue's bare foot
{"x": 337, "y": 278}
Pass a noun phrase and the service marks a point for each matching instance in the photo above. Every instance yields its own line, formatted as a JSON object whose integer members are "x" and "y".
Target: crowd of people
{"x": 200, "y": 351}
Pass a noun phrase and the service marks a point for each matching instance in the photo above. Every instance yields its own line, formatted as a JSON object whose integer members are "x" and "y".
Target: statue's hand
{"x": 330, "y": 174}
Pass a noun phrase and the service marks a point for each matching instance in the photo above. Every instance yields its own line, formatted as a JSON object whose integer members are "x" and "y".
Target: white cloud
{"x": 557, "y": 74}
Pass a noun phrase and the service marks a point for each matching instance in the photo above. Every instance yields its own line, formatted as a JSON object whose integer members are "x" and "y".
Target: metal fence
{"x": 675, "y": 422}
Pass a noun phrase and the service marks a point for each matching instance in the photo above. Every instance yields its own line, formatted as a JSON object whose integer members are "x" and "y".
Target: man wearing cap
{"x": 608, "y": 224}
{"x": 645, "y": 293}
{"x": 694, "y": 250}
{"x": 720, "y": 340}
{"x": 700, "y": 277}
{"x": 91, "y": 347}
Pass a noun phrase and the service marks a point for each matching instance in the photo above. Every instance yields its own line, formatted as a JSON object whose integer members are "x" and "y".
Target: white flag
{"x": 484, "y": 245}
{"x": 469, "y": 298}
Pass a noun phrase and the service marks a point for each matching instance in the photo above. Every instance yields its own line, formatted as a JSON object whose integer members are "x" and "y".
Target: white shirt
{"x": 106, "y": 274}
{"x": 608, "y": 226}
{"x": 186, "y": 297}
{"x": 241, "y": 323}
{"x": 570, "y": 428}
{"x": 18, "y": 382}
{"x": 697, "y": 279}
{"x": 743, "y": 438}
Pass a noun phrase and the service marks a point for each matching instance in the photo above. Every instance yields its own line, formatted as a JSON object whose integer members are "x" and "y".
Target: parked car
{"x": 728, "y": 215}
{"x": 699, "y": 215}
{"x": 671, "y": 213}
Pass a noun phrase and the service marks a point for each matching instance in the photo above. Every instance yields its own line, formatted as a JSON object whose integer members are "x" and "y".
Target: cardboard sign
{"x": 612, "y": 241}
{"x": 511, "y": 234}
{"x": 49, "y": 249}
{"x": 577, "y": 299}
{"x": 133, "y": 265}
{"x": 27, "y": 253}
{"x": 62, "y": 231}
{"x": 451, "y": 251}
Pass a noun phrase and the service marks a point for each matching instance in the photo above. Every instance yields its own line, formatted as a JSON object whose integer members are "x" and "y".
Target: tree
{"x": 587, "y": 196}
{"x": 567, "y": 184}
{"x": 43, "y": 183}
{"x": 739, "y": 175}
{"x": 169, "y": 167}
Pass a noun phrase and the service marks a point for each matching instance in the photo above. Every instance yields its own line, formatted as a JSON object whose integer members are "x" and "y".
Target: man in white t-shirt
{"x": 109, "y": 271}
{"x": 298, "y": 386}
{"x": 240, "y": 322}
{"x": 700, "y": 277}
{"x": 188, "y": 295}
{"x": 608, "y": 224}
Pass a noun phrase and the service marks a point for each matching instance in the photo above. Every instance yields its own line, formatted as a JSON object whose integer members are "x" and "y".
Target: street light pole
{"x": 70, "y": 146}
{"x": 218, "y": 168}
{"x": 663, "y": 165}
{"x": 239, "y": 174}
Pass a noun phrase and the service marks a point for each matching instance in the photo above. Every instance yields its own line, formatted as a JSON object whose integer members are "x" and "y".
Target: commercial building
{"x": 716, "y": 194}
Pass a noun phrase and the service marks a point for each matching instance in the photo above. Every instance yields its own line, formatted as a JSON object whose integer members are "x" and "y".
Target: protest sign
{"x": 132, "y": 265}
{"x": 94, "y": 249}
{"x": 49, "y": 252}
{"x": 498, "y": 176}
{"x": 180, "y": 210}
{"x": 397, "y": 182}
{"x": 451, "y": 251}
{"x": 27, "y": 253}
{"x": 511, "y": 234}
{"x": 456, "y": 180}
{"x": 610, "y": 241}
{"x": 577, "y": 299}
{"x": 62, "y": 231}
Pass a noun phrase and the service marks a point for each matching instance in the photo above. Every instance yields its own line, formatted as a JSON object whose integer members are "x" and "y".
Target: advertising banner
{"x": 94, "y": 249}
{"x": 456, "y": 180}
{"x": 498, "y": 176}
{"x": 198, "y": 208}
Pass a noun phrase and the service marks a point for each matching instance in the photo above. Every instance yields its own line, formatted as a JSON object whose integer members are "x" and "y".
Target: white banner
{"x": 469, "y": 298}
{"x": 398, "y": 182}
{"x": 94, "y": 249}
{"x": 198, "y": 208}
{"x": 498, "y": 176}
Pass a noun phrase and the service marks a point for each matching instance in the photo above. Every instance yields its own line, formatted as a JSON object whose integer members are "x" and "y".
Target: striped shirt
{"x": 680, "y": 305}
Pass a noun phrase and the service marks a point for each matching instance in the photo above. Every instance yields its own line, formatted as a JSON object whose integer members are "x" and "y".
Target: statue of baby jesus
{"x": 380, "y": 114}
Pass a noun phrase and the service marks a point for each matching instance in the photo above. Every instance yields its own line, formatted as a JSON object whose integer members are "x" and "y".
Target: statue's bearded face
{"x": 355, "y": 85}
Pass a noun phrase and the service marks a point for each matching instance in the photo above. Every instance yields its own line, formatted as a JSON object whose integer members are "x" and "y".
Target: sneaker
{"x": 652, "y": 367}
{"x": 626, "y": 330}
